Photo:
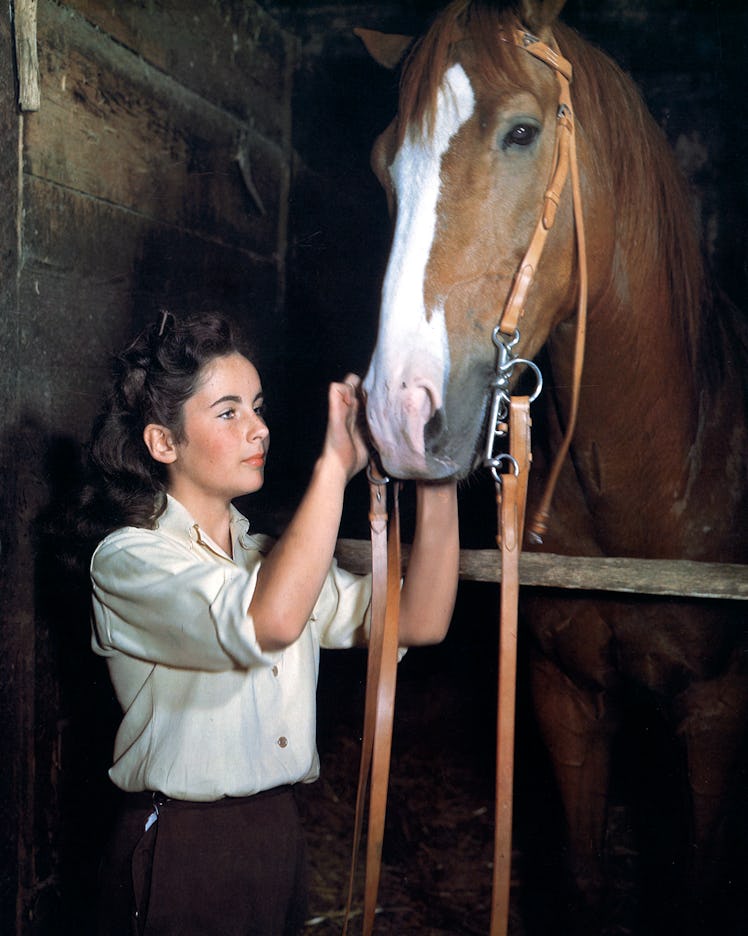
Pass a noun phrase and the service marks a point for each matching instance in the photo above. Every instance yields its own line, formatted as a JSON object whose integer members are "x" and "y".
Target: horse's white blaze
{"x": 410, "y": 366}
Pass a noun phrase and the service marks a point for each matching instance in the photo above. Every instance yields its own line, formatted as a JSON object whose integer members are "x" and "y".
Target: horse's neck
{"x": 639, "y": 438}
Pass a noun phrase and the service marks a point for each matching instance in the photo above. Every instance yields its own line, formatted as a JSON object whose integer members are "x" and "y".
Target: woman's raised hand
{"x": 344, "y": 439}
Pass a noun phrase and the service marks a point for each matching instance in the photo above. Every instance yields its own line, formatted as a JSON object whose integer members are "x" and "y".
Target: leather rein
{"x": 509, "y": 419}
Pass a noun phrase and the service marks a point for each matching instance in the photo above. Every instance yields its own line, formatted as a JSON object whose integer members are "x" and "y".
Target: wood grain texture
{"x": 674, "y": 578}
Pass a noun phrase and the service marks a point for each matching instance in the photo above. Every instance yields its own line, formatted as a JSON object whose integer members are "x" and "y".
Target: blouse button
{"x": 282, "y": 741}
{"x": 275, "y": 671}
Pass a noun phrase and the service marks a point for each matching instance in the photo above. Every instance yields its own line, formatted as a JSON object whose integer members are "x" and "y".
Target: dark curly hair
{"x": 152, "y": 379}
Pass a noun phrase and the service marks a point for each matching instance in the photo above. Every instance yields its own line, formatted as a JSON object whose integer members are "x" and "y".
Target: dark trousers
{"x": 236, "y": 867}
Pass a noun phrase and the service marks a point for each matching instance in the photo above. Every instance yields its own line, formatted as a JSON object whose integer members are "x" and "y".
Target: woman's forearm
{"x": 293, "y": 574}
{"x": 430, "y": 587}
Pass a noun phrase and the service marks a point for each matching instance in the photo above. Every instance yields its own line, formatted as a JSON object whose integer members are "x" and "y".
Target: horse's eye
{"x": 522, "y": 134}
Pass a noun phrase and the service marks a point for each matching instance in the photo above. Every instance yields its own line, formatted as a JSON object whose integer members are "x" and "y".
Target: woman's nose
{"x": 258, "y": 428}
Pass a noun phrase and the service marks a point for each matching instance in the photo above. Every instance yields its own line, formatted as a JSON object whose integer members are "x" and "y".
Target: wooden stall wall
{"x": 154, "y": 174}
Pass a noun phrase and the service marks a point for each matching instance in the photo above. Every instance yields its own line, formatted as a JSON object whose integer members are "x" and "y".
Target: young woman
{"x": 212, "y": 639}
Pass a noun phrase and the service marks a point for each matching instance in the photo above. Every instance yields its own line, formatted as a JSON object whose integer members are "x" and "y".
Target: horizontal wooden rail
{"x": 673, "y": 577}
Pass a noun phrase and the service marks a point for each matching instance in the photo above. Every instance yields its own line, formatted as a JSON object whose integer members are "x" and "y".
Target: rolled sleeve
{"x": 153, "y": 599}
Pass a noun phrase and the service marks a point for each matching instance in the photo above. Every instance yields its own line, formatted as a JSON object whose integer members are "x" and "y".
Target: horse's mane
{"x": 611, "y": 113}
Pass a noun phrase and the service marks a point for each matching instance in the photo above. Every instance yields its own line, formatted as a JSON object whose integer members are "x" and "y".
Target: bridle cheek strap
{"x": 539, "y": 524}
{"x": 564, "y": 164}
{"x": 523, "y": 279}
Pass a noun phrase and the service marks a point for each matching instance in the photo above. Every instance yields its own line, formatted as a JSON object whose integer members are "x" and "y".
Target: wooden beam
{"x": 673, "y": 578}
{"x": 24, "y": 14}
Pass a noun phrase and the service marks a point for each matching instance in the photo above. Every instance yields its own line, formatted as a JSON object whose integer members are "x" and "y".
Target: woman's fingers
{"x": 348, "y": 388}
{"x": 344, "y": 434}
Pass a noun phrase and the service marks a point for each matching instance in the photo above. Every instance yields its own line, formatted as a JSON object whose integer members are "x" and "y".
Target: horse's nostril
{"x": 434, "y": 433}
{"x": 432, "y": 396}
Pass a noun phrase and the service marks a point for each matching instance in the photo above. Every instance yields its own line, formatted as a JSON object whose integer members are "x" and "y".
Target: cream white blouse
{"x": 206, "y": 713}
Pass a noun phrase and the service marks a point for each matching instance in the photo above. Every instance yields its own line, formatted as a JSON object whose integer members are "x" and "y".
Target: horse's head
{"x": 465, "y": 166}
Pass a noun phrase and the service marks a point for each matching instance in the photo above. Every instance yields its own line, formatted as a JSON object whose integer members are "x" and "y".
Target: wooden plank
{"x": 28, "y": 63}
{"x": 117, "y": 129}
{"x": 673, "y": 578}
{"x": 231, "y": 53}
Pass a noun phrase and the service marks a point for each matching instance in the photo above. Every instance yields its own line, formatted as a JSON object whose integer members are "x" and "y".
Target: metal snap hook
{"x": 373, "y": 480}
{"x": 380, "y": 482}
{"x": 501, "y": 342}
{"x": 495, "y": 463}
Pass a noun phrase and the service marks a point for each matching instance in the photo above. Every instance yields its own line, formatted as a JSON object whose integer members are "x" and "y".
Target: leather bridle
{"x": 564, "y": 164}
{"x": 509, "y": 418}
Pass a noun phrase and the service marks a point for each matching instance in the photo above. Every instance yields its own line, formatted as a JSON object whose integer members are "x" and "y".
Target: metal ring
{"x": 506, "y": 368}
{"x": 494, "y": 463}
{"x": 372, "y": 480}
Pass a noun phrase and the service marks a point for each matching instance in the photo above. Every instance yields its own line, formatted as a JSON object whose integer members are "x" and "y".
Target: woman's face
{"x": 224, "y": 440}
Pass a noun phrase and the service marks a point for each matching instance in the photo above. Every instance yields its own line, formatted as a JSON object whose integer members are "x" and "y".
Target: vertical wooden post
{"x": 24, "y": 20}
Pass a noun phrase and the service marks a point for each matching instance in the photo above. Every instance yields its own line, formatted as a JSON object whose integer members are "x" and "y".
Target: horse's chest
{"x": 663, "y": 645}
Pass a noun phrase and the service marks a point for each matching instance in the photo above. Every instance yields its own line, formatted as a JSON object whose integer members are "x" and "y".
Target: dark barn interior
{"x": 190, "y": 155}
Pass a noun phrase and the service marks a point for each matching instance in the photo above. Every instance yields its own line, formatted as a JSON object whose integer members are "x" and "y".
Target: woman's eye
{"x": 260, "y": 410}
{"x": 227, "y": 414}
{"x": 522, "y": 134}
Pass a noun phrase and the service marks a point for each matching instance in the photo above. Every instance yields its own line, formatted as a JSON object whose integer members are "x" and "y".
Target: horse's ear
{"x": 540, "y": 15}
{"x": 386, "y": 48}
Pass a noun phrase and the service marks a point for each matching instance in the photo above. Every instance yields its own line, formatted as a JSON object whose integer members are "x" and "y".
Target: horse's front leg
{"x": 572, "y": 681}
{"x": 711, "y": 717}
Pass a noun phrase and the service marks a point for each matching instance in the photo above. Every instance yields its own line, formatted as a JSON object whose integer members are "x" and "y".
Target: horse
{"x": 657, "y": 463}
